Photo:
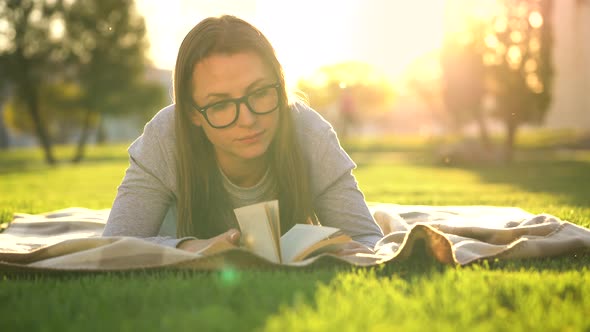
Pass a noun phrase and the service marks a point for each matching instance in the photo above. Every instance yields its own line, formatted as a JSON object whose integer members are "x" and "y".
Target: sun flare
{"x": 308, "y": 34}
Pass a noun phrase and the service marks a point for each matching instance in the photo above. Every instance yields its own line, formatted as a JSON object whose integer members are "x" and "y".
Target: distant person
{"x": 231, "y": 139}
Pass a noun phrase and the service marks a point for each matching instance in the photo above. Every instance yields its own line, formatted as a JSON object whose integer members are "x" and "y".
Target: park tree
{"x": 463, "y": 73}
{"x": 95, "y": 47}
{"x": 500, "y": 49}
{"x": 108, "y": 42}
{"x": 463, "y": 86}
{"x": 4, "y": 138}
{"x": 518, "y": 61}
{"x": 60, "y": 112}
{"x": 30, "y": 54}
{"x": 423, "y": 78}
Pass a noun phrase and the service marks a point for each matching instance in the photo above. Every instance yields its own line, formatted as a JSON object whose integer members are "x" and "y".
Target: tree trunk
{"x": 484, "y": 135}
{"x": 4, "y": 138}
{"x": 32, "y": 101}
{"x": 101, "y": 134}
{"x": 83, "y": 137}
{"x": 511, "y": 128}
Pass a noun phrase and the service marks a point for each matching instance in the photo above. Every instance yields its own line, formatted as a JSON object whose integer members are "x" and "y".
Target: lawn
{"x": 419, "y": 294}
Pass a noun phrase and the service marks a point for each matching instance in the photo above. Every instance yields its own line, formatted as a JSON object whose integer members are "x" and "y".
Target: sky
{"x": 307, "y": 34}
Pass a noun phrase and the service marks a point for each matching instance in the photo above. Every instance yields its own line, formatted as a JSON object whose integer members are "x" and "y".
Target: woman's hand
{"x": 224, "y": 241}
{"x": 352, "y": 248}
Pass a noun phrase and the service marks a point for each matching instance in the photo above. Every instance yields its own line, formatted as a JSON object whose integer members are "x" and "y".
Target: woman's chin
{"x": 252, "y": 152}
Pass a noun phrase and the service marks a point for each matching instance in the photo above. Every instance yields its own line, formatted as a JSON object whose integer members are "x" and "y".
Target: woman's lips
{"x": 251, "y": 138}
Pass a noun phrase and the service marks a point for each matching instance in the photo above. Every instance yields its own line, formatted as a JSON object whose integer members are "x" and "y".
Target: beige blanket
{"x": 69, "y": 240}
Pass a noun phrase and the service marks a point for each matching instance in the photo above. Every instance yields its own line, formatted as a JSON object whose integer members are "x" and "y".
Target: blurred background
{"x": 472, "y": 78}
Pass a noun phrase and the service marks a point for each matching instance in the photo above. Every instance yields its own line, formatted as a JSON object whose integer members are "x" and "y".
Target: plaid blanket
{"x": 69, "y": 240}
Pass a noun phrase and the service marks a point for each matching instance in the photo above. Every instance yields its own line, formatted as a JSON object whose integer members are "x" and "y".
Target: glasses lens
{"x": 221, "y": 114}
{"x": 224, "y": 113}
{"x": 264, "y": 100}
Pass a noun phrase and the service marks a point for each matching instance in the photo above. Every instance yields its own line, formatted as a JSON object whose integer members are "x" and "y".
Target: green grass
{"x": 27, "y": 184}
{"x": 418, "y": 294}
{"x": 527, "y": 139}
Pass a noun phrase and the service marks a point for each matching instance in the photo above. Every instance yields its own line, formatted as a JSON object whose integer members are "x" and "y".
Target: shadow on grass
{"x": 567, "y": 178}
{"x": 226, "y": 300}
{"x": 12, "y": 163}
{"x": 364, "y": 159}
{"x": 564, "y": 175}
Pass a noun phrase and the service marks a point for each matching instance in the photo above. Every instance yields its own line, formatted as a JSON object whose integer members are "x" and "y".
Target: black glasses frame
{"x": 238, "y": 102}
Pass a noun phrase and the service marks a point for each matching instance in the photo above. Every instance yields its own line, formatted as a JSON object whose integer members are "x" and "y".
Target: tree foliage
{"x": 518, "y": 57}
{"x": 96, "y": 47}
{"x": 108, "y": 43}
{"x": 61, "y": 112}
{"x": 506, "y": 54}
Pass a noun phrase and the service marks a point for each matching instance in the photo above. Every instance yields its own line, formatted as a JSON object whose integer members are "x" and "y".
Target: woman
{"x": 232, "y": 139}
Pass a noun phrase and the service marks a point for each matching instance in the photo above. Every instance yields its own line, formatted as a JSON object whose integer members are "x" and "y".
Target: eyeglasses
{"x": 224, "y": 113}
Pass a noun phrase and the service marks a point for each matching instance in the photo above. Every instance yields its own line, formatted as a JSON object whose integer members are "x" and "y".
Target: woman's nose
{"x": 245, "y": 118}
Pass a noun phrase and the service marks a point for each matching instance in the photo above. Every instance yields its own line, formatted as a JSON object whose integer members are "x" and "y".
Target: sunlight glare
{"x": 56, "y": 28}
{"x": 514, "y": 57}
{"x": 309, "y": 34}
{"x": 535, "y": 20}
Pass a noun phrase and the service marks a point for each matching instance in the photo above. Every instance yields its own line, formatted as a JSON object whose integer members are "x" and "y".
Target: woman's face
{"x": 226, "y": 76}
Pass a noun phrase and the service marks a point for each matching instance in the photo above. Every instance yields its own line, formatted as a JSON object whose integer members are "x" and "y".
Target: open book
{"x": 261, "y": 233}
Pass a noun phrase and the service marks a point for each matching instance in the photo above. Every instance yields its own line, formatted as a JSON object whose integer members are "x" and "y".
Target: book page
{"x": 301, "y": 237}
{"x": 257, "y": 234}
{"x": 273, "y": 217}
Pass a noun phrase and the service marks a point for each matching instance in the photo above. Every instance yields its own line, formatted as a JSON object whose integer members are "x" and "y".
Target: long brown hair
{"x": 203, "y": 205}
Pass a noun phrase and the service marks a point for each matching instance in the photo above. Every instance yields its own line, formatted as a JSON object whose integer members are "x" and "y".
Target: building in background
{"x": 570, "y": 106}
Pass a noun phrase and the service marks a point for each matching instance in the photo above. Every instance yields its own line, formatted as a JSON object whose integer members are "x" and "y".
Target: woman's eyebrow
{"x": 217, "y": 95}
{"x": 256, "y": 83}
{"x": 250, "y": 87}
